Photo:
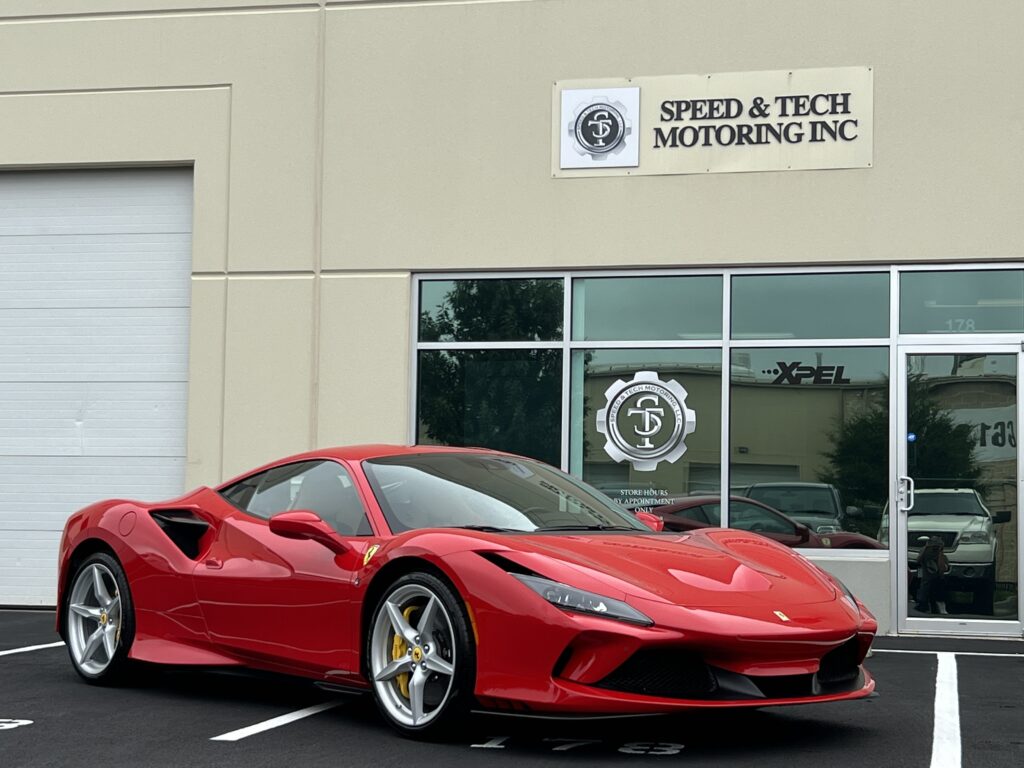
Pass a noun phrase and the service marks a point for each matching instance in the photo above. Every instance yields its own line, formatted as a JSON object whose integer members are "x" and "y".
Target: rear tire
{"x": 99, "y": 620}
{"x": 420, "y": 657}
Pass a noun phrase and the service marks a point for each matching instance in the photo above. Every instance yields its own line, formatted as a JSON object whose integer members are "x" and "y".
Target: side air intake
{"x": 183, "y": 527}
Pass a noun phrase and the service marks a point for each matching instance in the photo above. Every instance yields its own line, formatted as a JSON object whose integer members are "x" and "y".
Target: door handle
{"x": 213, "y": 562}
{"x": 905, "y": 493}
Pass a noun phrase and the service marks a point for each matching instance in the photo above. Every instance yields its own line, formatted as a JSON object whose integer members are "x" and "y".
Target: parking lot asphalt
{"x": 49, "y": 717}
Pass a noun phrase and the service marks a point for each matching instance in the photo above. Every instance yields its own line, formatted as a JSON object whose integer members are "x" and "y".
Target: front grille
{"x": 840, "y": 665}
{"x": 785, "y": 686}
{"x": 678, "y": 674}
{"x": 667, "y": 673}
{"x": 915, "y": 538}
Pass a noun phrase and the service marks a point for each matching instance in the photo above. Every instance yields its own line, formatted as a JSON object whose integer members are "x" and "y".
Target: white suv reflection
{"x": 958, "y": 517}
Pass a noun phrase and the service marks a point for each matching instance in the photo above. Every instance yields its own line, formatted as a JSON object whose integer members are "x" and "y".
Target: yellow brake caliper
{"x": 398, "y": 649}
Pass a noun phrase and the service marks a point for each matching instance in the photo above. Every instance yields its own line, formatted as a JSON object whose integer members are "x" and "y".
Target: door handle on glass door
{"x": 905, "y": 492}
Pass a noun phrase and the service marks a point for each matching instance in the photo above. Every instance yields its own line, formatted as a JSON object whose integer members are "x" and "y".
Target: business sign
{"x": 796, "y": 372}
{"x": 646, "y": 421}
{"x": 777, "y": 120}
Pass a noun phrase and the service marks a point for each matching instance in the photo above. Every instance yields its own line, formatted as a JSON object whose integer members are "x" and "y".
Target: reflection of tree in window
{"x": 507, "y": 399}
{"x": 943, "y": 452}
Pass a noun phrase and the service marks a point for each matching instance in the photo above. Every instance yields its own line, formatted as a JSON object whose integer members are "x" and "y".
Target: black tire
{"x": 119, "y": 666}
{"x": 459, "y": 702}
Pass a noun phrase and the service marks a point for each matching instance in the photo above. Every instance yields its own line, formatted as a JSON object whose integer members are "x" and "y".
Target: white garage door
{"x": 94, "y": 310}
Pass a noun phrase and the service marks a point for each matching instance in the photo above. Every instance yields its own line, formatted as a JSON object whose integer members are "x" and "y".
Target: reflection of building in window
{"x": 818, "y": 417}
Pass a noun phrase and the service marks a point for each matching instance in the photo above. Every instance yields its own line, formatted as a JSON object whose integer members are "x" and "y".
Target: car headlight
{"x": 848, "y": 595}
{"x": 976, "y": 537}
{"x": 581, "y": 601}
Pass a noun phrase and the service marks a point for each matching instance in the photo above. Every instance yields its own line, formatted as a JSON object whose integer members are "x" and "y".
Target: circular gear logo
{"x": 599, "y": 128}
{"x": 645, "y": 421}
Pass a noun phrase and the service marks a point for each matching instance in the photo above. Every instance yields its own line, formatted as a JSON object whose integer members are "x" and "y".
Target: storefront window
{"x": 646, "y": 308}
{"x": 491, "y": 310}
{"x": 809, "y": 438}
{"x": 646, "y": 424}
{"x": 506, "y": 399}
{"x": 827, "y": 306}
{"x": 976, "y": 301}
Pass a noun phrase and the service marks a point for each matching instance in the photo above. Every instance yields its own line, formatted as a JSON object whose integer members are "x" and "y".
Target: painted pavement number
{"x": 655, "y": 748}
{"x": 7, "y": 724}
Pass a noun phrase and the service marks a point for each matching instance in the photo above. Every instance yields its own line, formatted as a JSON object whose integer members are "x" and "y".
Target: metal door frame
{"x": 898, "y": 519}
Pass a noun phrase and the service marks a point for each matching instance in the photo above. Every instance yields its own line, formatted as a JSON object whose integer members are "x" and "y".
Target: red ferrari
{"x": 444, "y": 580}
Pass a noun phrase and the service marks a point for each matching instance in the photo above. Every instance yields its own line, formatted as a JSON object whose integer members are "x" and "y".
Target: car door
{"x": 285, "y": 602}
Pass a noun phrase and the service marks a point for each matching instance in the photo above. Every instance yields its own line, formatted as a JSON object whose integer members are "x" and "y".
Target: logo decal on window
{"x": 645, "y": 421}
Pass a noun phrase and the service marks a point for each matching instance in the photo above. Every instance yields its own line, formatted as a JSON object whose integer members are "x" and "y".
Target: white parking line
{"x": 28, "y": 648}
{"x": 953, "y": 653}
{"x": 946, "y": 734}
{"x": 275, "y": 722}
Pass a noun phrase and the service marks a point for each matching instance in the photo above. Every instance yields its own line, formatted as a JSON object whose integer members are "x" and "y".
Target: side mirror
{"x": 803, "y": 532}
{"x": 305, "y": 524}
{"x": 1001, "y": 517}
{"x": 854, "y": 513}
{"x": 652, "y": 521}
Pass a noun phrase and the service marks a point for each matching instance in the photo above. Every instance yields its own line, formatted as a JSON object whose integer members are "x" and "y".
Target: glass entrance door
{"x": 957, "y": 525}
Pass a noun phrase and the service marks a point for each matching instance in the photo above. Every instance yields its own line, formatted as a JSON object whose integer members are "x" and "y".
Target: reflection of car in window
{"x": 816, "y": 505}
{"x": 694, "y": 512}
{"x": 960, "y": 519}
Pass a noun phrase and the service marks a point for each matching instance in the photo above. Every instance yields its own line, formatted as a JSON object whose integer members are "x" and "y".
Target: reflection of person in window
{"x": 932, "y": 567}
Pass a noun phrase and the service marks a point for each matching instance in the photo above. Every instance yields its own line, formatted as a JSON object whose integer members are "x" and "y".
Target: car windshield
{"x": 488, "y": 492}
{"x": 796, "y": 500}
{"x": 926, "y": 503}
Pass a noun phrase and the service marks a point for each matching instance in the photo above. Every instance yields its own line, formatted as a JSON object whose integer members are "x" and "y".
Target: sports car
{"x": 446, "y": 580}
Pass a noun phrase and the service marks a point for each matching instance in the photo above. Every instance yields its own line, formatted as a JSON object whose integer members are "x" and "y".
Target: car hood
{"x": 708, "y": 568}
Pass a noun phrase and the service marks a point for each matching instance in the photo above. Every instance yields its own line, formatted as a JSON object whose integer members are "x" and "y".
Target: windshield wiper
{"x": 487, "y": 528}
{"x": 582, "y": 527}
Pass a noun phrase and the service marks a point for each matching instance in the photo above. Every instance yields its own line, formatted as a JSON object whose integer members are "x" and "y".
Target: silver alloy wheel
{"x": 94, "y": 619}
{"x": 413, "y": 636}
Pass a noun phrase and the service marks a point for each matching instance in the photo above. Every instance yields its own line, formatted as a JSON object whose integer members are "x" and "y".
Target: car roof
{"x": 358, "y": 453}
{"x": 379, "y": 451}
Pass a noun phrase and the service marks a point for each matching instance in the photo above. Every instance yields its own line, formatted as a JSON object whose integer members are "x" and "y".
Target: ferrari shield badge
{"x": 370, "y": 553}
{"x": 645, "y": 421}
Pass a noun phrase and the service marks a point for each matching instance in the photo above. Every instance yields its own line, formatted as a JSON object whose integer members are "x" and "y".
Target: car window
{"x": 749, "y": 517}
{"x": 691, "y": 513}
{"x": 324, "y": 487}
{"x": 713, "y": 512}
{"x": 940, "y": 503}
{"x": 444, "y": 490}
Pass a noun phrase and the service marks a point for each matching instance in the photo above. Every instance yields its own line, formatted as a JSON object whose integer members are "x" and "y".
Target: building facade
{"x": 234, "y": 230}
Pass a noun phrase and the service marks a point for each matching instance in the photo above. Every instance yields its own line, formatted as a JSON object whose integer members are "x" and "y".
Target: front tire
{"x": 420, "y": 657}
{"x": 100, "y": 620}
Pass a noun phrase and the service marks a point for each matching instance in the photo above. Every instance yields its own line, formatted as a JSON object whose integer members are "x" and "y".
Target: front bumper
{"x": 964, "y": 574}
{"x": 534, "y": 658}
